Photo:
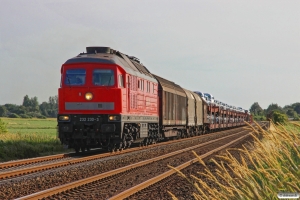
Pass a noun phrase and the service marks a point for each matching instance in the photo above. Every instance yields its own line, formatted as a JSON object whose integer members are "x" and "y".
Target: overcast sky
{"x": 240, "y": 51}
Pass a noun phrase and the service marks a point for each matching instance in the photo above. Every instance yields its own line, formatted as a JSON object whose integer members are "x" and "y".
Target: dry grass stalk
{"x": 199, "y": 159}
{"x": 272, "y": 164}
{"x": 172, "y": 195}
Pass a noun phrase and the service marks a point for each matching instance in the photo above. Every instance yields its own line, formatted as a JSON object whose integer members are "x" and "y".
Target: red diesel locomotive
{"x": 110, "y": 100}
{"x": 105, "y": 93}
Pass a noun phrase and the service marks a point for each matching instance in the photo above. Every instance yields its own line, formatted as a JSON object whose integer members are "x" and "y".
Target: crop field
{"x": 28, "y": 126}
{"x": 26, "y": 138}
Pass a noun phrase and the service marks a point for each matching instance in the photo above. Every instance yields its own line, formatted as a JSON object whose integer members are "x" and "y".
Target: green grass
{"x": 28, "y": 126}
{"x": 28, "y": 138}
{"x": 39, "y": 131}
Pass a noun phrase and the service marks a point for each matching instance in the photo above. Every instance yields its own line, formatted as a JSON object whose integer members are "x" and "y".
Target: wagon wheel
{"x": 178, "y": 135}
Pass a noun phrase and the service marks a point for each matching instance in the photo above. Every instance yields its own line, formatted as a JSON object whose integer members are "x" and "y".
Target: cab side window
{"x": 121, "y": 82}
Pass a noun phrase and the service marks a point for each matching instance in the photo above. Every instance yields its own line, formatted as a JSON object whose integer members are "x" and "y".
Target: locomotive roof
{"x": 129, "y": 63}
{"x": 170, "y": 86}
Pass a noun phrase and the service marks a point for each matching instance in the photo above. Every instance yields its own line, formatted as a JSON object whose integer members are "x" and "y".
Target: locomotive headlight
{"x": 88, "y": 96}
{"x": 64, "y": 118}
{"x": 114, "y": 118}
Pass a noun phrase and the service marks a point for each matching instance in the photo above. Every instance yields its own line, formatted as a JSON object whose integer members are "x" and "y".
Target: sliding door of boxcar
{"x": 169, "y": 102}
{"x": 180, "y": 110}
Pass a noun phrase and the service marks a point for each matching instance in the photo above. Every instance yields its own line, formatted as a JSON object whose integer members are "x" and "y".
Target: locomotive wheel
{"x": 121, "y": 146}
{"x": 154, "y": 141}
{"x": 111, "y": 147}
{"x": 76, "y": 148}
{"x": 146, "y": 141}
{"x": 82, "y": 148}
{"x": 129, "y": 144}
{"x": 123, "y": 143}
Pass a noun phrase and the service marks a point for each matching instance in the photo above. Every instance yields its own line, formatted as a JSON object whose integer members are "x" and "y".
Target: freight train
{"x": 110, "y": 100}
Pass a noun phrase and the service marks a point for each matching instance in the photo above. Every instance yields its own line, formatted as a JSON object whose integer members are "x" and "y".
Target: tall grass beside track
{"x": 270, "y": 166}
{"x": 27, "y": 138}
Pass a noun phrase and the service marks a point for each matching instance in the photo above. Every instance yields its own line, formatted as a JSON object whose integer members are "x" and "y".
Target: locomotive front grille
{"x": 108, "y": 128}
{"x": 89, "y": 105}
{"x": 98, "y": 124}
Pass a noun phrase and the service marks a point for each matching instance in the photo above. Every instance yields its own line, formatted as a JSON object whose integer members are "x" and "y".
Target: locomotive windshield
{"x": 75, "y": 77}
{"x": 103, "y": 77}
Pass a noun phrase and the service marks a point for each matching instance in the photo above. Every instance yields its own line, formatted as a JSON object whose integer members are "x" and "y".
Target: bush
{"x": 3, "y": 128}
{"x": 13, "y": 115}
{"x": 25, "y": 116}
{"x": 41, "y": 117}
{"x": 263, "y": 118}
{"x": 296, "y": 118}
{"x": 259, "y": 118}
{"x": 279, "y": 117}
{"x": 3, "y": 111}
{"x": 32, "y": 114}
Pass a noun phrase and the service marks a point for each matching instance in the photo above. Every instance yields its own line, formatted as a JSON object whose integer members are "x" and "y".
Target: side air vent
{"x": 98, "y": 50}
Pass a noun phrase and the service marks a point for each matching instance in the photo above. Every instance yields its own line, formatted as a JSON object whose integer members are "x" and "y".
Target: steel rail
{"x": 32, "y": 160}
{"x": 28, "y": 170}
{"x": 5, "y": 165}
{"x": 20, "y": 162}
{"x": 158, "y": 178}
{"x": 59, "y": 189}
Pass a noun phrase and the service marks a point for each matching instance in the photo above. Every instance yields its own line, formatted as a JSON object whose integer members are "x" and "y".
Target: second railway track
{"x": 36, "y": 182}
{"x": 27, "y": 166}
{"x": 113, "y": 182}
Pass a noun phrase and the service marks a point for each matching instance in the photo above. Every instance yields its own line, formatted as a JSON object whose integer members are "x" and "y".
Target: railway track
{"x": 144, "y": 170}
{"x": 127, "y": 193}
{"x": 27, "y": 166}
{"x": 68, "y": 174}
{"x": 28, "y": 162}
{"x": 179, "y": 186}
{"x": 15, "y": 163}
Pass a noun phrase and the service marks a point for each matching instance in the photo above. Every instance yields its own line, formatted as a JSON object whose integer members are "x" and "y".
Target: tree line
{"x": 275, "y": 112}
{"x": 31, "y": 108}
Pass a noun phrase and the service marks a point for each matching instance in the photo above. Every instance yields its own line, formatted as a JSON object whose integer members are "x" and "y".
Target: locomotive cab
{"x": 90, "y": 102}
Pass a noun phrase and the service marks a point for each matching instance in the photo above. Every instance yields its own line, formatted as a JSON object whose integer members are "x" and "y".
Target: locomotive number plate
{"x": 89, "y": 119}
